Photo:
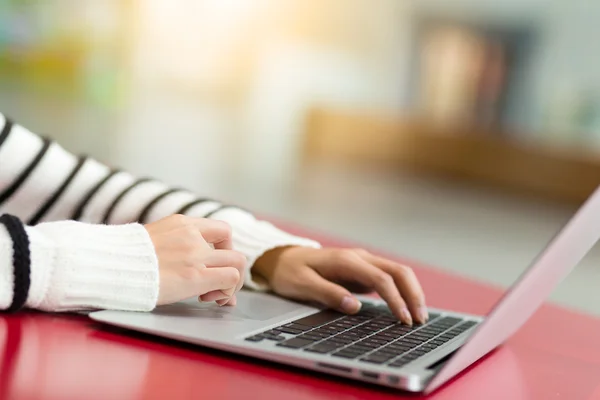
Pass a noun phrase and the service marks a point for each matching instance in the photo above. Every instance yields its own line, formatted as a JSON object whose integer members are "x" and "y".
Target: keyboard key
{"x": 319, "y": 318}
{"x": 310, "y": 337}
{"x": 295, "y": 343}
{"x": 275, "y": 338}
{"x": 318, "y": 334}
{"x": 368, "y": 344}
{"x": 399, "y": 329}
{"x": 452, "y": 320}
{"x": 376, "y": 358}
{"x": 346, "y": 354}
{"x": 386, "y": 350}
{"x": 343, "y": 340}
{"x": 297, "y": 326}
{"x": 359, "y": 346}
{"x": 330, "y": 344}
{"x": 419, "y": 336}
{"x": 255, "y": 338}
{"x": 410, "y": 340}
{"x": 291, "y": 331}
{"x": 322, "y": 333}
{"x": 317, "y": 350}
{"x": 399, "y": 363}
{"x": 323, "y": 348}
{"x": 398, "y": 347}
{"x": 357, "y": 350}
{"x": 342, "y": 324}
{"x": 387, "y": 334}
{"x": 376, "y": 341}
{"x": 355, "y": 319}
{"x": 331, "y": 327}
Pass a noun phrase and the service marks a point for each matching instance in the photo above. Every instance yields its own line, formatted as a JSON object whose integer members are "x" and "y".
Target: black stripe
{"x": 183, "y": 210}
{"x": 213, "y": 212}
{"x": 120, "y": 197}
{"x": 59, "y": 192}
{"x": 21, "y": 261}
{"x": 6, "y": 130}
{"x": 84, "y": 202}
{"x": 144, "y": 214}
{"x": 25, "y": 174}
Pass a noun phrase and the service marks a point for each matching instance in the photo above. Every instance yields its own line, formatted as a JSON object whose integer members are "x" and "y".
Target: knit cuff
{"x": 254, "y": 237}
{"x": 78, "y": 266}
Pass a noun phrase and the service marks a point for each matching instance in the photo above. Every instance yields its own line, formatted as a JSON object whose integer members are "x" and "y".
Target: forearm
{"x": 41, "y": 182}
{"x": 78, "y": 266}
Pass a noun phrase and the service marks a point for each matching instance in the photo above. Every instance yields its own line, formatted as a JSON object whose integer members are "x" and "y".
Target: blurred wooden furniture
{"x": 460, "y": 152}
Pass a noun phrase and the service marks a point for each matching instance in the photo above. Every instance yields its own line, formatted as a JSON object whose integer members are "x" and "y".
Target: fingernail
{"x": 423, "y": 314}
{"x": 350, "y": 305}
{"x": 222, "y": 302}
{"x": 214, "y": 297}
{"x": 406, "y": 317}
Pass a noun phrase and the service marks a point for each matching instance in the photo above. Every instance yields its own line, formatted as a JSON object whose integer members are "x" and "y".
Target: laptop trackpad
{"x": 250, "y": 306}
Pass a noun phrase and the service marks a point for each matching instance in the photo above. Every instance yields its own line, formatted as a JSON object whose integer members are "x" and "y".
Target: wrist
{"x": 265, "y": 265}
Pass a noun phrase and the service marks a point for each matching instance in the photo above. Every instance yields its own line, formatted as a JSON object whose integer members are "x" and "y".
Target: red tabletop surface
{"x": 556, "y": 355}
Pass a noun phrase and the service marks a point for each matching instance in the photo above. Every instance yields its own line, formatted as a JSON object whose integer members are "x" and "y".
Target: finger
{"x": 225, "y": 258}
{"x": 348, "y": 265}
{"x": 328, "y": 293}
{"x": 224, "y": 280}
{"x": 232, "y": 301}
{"x": 228, "y": 258}
{"x": 406, "y": 281}
{"x": 215, "y": 295}
{"x": 217, "y": 233}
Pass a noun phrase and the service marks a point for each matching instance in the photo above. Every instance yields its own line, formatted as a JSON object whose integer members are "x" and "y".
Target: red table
{"x": 555, "y": 356}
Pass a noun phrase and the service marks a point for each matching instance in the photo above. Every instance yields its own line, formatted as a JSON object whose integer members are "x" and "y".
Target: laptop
{"x": 372, "y": 345}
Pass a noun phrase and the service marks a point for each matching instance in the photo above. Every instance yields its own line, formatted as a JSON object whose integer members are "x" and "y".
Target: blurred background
{"x": 460, "y": 133}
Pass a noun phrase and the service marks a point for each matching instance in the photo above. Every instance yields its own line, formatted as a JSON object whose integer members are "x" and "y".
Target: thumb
{"x": 328, "y": 293}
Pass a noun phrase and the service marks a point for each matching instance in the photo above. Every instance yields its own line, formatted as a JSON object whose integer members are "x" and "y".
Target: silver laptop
{"x": 371, "y": 346}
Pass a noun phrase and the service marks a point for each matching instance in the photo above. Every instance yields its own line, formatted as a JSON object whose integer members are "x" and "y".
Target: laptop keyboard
{"x": 372, "y": 336}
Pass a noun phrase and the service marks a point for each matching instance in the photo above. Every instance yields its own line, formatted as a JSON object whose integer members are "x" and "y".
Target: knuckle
{"x": 238, "y": 259}
{"x": 405, "y": 270}
{"x": 345, "y": 256}
{"x": 191, "y": 260}
{"x": 382, "y": 279}
{"x": 179, "y": 219}
{"x": 414, "y": 299}
{"x": 361, "y": 252}
{"x": 191, "y": 273}
{"x": 225, "y": 227}
{"x": 189, "y": 246}
{"x": 232, "y": 276}
{"x": 191, "y": 232}
{"x": 303, "y": 282}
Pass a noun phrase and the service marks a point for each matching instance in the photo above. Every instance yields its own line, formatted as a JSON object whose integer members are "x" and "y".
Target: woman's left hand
{"x": 327, "y": 276}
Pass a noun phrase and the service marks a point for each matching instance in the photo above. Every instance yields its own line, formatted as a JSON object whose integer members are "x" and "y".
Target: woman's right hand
{"x": 189, "y": 266}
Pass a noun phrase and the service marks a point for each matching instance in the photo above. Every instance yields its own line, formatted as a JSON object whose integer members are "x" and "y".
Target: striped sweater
{"x": 84, "y": 220}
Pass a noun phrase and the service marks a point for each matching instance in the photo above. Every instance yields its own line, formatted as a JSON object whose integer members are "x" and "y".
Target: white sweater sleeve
{"x": 99, "y": 256}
